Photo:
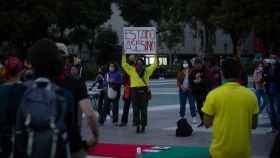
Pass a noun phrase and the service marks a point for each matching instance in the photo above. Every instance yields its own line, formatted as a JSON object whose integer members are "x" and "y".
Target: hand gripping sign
{"x": 140, "y": 40}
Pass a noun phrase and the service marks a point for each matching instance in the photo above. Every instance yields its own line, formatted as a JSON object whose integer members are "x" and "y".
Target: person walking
{"x": 140, "y": 93}
{"x": 113, "y": 84}
{"x": 198, "y": 85}
{"x": 231, "y": 110}
{"x": 185, "y": 93}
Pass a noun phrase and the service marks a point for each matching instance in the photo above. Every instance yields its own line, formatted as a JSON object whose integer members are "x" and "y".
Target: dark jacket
{"x": 201, "y": 87}
{"x": 114, "y": 79}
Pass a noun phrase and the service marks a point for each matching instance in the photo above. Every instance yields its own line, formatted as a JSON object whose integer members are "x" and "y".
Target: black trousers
{"x": 114, "y": 103}
{"x": 126, "y": 107}
{"x": 6, "y": 146}
{"x": 140, "y": 102}
{"x": 100, "y": 103}
{"x": 200, "y": 99}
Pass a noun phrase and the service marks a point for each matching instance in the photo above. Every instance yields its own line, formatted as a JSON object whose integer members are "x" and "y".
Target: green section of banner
{"x": 179, "y": 152}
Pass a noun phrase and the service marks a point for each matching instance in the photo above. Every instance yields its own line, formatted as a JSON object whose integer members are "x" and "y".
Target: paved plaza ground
{"x": 163, "y": 114}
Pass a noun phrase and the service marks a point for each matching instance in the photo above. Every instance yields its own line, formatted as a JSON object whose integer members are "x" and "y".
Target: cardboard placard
{"x": 140, "y": 40}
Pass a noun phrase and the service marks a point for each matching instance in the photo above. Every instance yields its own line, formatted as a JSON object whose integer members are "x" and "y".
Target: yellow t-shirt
{"x": 233, "y": 107}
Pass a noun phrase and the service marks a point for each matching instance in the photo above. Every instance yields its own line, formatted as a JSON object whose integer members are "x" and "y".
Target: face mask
{"x": 185, "y": 66}
{"x": 111, "y": 69}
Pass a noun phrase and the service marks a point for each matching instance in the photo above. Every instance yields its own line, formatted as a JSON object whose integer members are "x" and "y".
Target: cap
{"x": 13, "y": 65}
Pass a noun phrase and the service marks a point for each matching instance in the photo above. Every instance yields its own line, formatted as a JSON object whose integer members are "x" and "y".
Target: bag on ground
{"x": 184, "y": 129}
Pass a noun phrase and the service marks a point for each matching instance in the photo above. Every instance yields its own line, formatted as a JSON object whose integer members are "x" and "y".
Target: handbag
{"x": 112, "y": 94}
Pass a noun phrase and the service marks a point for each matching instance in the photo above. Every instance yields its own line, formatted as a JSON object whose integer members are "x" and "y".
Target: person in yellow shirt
{"x": 231, "y": 110}
{"x": 139, "y": 79}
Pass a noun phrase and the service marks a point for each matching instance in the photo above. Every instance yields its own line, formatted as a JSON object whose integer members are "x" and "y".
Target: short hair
{"x": 45, "y": 59}
{"x": 197, "y": 61}
{"x": 231, "y": 68}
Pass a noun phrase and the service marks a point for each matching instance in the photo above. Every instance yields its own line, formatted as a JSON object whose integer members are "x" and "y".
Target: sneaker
{"x": 108, "y": 118}
{"x": 194, "y": 120}
{"x": 143, "y": 130}
{"x": 138, "y": 129}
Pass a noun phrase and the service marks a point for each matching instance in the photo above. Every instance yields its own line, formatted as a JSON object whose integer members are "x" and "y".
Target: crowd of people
{"x": 194, "y": 80}
{"x": 44, "y": 101}
{"x": 199, "y": 76}
{"x": 135, "y": 78}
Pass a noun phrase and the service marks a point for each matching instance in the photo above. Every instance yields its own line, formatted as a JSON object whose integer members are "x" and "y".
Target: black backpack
{"x": 40, "y": 129}
{"x": 184, "y": 129}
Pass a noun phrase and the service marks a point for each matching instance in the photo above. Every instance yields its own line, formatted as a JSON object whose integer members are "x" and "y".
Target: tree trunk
{"x": 235, "y": 42}
{"x": 207, "y": 41}
{"x": 208, "y": 37}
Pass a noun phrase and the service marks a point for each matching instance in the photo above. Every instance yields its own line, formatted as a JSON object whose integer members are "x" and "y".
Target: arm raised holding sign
{"x": 150, "y": 69}
{"x": 129, "y": 69}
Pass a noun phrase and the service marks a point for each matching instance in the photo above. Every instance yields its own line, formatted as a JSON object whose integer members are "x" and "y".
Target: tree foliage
{"x": 238, "y": 17}
{"x": 106, "y": 44}
{"x": 165, "y": 13}
{"x": 25, "y": 21}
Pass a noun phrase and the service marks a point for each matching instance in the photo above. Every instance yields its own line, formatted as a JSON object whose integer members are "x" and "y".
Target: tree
{"x": 234, "y": 18}
{"x": 137, "y": 12}
{"x": 165, "y": 13}
{"x": 83, "y": 17}
{"x": 266, "y": 22}
{"x": 200, "y": 11}
{"x": 107, "y": 43}
{"x": 22, "y": 22}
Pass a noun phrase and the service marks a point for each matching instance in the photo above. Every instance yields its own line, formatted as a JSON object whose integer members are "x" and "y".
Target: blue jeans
{"x": 274, "y": 110}
{"x": 261, "y": 99}
{"x": 183, "y": 101}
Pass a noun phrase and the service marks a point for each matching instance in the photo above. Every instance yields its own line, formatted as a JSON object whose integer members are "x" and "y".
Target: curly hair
{"x": 45, "y": 59}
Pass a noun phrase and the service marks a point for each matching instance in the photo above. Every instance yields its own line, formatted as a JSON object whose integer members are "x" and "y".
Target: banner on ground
{"x": 140, "y": 40}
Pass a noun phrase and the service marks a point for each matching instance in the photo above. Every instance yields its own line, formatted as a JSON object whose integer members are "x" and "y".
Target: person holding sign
{"x": 140, "y": 93}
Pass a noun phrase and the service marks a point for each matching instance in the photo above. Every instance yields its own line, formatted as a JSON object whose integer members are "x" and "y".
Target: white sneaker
{"x": 108, "y": 118}
{"x": 194, "y": 120}
{"x": 272, "y": 131}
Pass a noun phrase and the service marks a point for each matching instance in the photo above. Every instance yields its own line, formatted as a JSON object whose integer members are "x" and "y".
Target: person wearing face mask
{"x": 185, "y": 92}
{"x": 273, "y": 91}
{"x": 113, "y": 79}
{"x": 258, "y": 79}
{"x": 140, "y": 94}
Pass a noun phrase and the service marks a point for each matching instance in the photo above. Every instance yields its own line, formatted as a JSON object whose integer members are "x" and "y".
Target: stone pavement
{"x": 163, "y": 114}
